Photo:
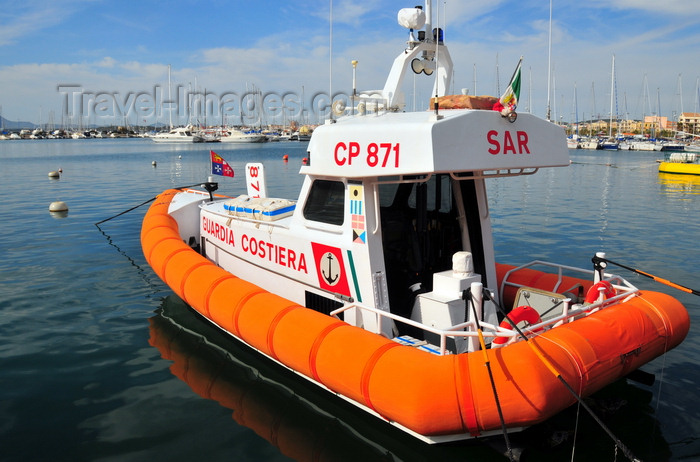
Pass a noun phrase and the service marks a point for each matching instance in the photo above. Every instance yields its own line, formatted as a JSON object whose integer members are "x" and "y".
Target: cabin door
{"x": 421, "y": 230}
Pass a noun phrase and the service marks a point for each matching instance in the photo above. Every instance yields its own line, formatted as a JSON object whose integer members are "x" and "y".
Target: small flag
{"x": 219, "y": 166}
{"x": 509, "y": 100}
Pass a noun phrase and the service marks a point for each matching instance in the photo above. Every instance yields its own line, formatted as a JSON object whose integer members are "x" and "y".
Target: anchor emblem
{"x": 333, "y": 274}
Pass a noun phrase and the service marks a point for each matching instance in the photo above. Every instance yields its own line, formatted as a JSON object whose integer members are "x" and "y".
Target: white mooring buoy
{"x": 154, "y": 163}
{"x": 58, "y": 206}
{"x": 54, "y": 174}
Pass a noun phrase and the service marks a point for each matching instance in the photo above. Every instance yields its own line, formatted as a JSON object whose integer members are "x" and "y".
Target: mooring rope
{"x": 140, "y": 205}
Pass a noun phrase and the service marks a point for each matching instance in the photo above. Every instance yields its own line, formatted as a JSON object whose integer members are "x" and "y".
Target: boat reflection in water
{"x": 677, "y": 185}
{"x": 274, "y": 404}
{"x": 308, "y": 424}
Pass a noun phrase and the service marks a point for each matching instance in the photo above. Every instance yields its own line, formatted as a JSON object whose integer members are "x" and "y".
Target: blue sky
{"x": 52, "y": 53}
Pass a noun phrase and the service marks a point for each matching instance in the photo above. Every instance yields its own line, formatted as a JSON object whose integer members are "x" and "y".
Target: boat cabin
{"x": 383, "y": 211}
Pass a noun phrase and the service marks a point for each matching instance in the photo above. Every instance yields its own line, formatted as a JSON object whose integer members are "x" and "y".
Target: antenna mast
{"x": 330, "y": 60}
{"x": 549, "y": 62}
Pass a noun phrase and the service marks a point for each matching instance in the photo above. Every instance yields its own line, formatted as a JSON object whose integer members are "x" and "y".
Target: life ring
{"x": 518, "y": 315}
{"x": 604, "y": 287}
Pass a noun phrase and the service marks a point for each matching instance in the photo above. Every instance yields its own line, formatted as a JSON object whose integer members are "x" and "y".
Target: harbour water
{"x": 99, "y": 361}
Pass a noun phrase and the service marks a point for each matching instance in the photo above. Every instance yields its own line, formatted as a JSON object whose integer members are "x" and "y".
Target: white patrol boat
{"x": 379, "y": 283}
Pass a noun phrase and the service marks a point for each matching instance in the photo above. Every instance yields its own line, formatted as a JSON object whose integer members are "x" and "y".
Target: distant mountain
{"x": 13, "y": 125}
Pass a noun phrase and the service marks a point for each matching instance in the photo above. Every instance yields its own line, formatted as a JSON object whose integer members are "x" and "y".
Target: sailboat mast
{"x": 529, "y": 91}
{"x": 576, "y": 109}
{"x": 330, "y": 59}
{"x": 612, "y": 96}
{"x": 170, "y": 100}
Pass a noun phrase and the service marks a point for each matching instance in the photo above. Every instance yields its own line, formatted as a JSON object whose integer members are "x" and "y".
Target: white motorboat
{"x": 239, "y": 136}
{"x": 175, "y": 135}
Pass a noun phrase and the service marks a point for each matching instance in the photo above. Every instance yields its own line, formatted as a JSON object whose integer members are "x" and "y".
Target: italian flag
{"x": 509, "y": 99}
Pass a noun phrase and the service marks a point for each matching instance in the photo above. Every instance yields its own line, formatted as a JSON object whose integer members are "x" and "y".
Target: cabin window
{"x": 326, "y": 202}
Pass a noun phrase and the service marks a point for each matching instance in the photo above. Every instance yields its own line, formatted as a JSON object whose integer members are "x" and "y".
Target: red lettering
{"x": 522, "y": 142}
{"x": 354, "y": 151}
{"x": 377, "y": 154}
{"x": 372, "y": 154}
{"x": 508, "y": 145}
{"x": 491, "y": 138}
{"x": 273, "y": 253}
{"x": 338, "y": 147}
{"x": 292, "y": 259}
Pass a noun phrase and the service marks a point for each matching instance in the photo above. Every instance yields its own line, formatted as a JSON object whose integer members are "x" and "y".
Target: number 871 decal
{"x": 255, "y": 179}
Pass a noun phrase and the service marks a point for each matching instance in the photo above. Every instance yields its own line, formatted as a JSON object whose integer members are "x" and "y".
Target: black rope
{"x": 126, "y": 211}
{"x": 619, "y": 444}
{"x": 140, "y": 205}
{"x": 467, "y": 296}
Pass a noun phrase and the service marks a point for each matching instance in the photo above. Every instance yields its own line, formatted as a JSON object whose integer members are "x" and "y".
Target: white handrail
{"x": 469, "y": 329}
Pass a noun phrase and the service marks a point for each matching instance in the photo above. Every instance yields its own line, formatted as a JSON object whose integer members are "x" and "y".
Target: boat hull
{"x": 680, "y": 168}
{"x": 434, "y": 397}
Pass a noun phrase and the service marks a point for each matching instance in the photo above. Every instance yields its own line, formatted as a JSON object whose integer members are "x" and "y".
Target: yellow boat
{"x": 681, "y": 163}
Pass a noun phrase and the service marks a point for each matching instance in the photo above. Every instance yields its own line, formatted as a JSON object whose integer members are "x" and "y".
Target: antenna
{"x": 549, "y": 61}
{"x": 437, "y": 59}
{"x": 330, "y": 58}
{"x": 498, "y": 77}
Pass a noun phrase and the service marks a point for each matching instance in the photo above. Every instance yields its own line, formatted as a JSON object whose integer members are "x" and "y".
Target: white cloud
{"x": 18, "y": 24}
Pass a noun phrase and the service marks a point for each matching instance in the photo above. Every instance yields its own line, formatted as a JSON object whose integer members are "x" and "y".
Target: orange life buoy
{"x": 604, "y": 287}
{"x": 518, "y": 315}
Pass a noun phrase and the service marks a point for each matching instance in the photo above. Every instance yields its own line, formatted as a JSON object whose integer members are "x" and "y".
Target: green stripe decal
{"x": 354, "y": 277}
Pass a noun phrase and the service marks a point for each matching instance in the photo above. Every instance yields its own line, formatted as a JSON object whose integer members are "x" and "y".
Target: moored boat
{"x": 239, "y": 136}
{"x": 682, "y": 163}
{"x": 380, "y": 283}
{"x": 591, "y": 143}
{"x": 175, "y": 135}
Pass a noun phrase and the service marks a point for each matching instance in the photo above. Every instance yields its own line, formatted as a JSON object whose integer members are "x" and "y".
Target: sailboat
{"x": 174, "y": 134}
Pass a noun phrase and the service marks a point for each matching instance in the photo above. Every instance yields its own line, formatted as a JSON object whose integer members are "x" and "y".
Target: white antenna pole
{"x": 330, "y": 60}
{"x": 437, "y": 50}
{"x": 498, "y": 78}
{"x": 549, "y": 62}
{"x": 428, "y": 19}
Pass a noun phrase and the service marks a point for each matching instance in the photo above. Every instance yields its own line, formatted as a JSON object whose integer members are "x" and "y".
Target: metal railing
{"x": 469, "y": 329}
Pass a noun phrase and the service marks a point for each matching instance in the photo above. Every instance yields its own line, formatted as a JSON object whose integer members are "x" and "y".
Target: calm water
{"x": 98, "y": 361}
